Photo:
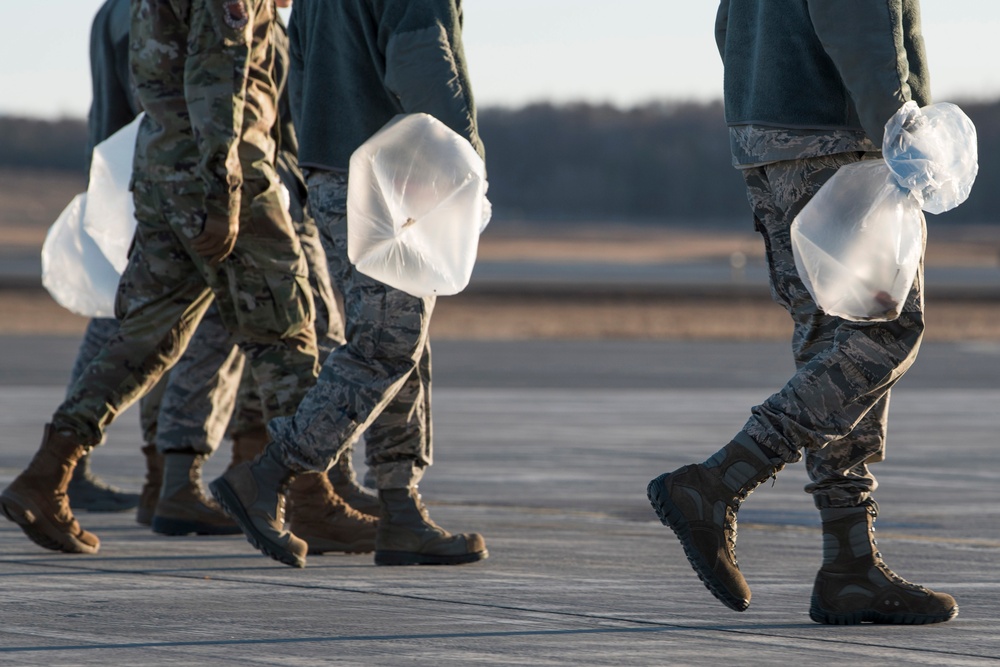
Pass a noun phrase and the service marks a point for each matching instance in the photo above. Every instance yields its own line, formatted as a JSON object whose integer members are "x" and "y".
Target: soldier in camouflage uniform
{"x": 809, "y": 86}
{"x": 354, "y": 67}
{"x": 211, "y": 227}
{"x": 185, "y": 416}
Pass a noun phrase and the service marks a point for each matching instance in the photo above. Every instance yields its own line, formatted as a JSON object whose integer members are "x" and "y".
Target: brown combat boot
{"x": 151, "y": 487}
{"x": 699, "y": 502}
{"x": 407, "y": 536}
{"x": 248, "y": 445}
{"x": 345, "y": 483}
{"x": 36, "y": 500}
{"x": 183, "y": 507}
{"x": 321, "y": 517}
{"x": 254, "y": 495}
{"x": 89, "y": 492}
{"x": 854, "y": 585}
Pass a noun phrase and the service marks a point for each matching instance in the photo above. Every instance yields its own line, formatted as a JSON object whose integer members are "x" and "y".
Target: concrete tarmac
{"x": 545, "y": 447}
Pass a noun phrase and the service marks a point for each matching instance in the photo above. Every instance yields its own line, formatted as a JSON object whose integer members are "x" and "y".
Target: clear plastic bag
{"x": 859, "y": 242}
{"x": 416, "y": 205}
{"x": 859, "y": 265}
{"x": 109, "y": 218}
{"x": 74, "y": 269}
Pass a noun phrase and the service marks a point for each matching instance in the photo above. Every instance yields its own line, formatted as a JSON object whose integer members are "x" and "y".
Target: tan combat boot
{"x": 699, "y": 502}
{"x": 248, "y": 445}
{"x": 321, "y": 517}
{"x": 253, "y": 493}
{"x": 89, "y": 492}
{"x": 407, "y": 536}
{"x": 345, "y": 483}
{"x": 151, "y": 487}
{"x": 183, "y": 507}
{"x": 36, "y": 500}
{"x": 854, "y": 585}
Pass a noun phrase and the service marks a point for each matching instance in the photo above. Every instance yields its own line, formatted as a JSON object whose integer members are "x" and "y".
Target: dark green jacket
{"x": 358, "y": 63}
{"x": 113, "y": 105}
{"x": 821, "y": 64}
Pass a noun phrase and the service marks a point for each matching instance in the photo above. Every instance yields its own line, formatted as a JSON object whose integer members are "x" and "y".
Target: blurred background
{"x": 606, "y": 148}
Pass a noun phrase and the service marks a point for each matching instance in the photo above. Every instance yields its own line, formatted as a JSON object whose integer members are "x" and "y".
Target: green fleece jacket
{"x": 358, "y": 63}
{"x": 114, "y": 105}
{"x": 821, "y": 64}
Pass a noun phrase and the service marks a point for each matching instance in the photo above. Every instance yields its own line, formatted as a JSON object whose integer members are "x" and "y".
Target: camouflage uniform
{"x": 381, "y": 373}
{"x": 354, "y": 67}
{"x": 203, "y": 73}
{"x": 835, "y": 407}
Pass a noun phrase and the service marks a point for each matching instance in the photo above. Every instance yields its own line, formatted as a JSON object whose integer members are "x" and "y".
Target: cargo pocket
{"x": 269, "y": 304}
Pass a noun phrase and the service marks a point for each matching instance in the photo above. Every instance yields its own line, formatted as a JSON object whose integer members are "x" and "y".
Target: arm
{"x": 426, "y": 70}
{"x": 866, "y": 41}
{"x": 721, "y": 26}
{"x": 113, "y": 105}
{"x": 215, "y": 83}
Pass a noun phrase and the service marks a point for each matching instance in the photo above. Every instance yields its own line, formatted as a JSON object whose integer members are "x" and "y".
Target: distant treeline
{"x": 658, "y": 162}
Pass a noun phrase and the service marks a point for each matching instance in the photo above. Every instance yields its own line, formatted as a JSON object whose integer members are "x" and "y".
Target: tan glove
{"x": 218, "y": 237}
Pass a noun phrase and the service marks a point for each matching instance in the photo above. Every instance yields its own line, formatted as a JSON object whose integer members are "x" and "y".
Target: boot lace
{"x": 886, "y": 571}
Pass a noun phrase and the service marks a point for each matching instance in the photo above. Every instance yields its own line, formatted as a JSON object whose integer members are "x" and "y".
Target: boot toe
{"x": 47, "y": 531}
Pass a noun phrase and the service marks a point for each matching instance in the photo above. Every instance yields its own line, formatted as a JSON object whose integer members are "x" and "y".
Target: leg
{"x": 386, "y": 339}
{"x": 161, "y": 298}
{"x": 845, "y": 369}
{"x": 192, "y": 414}
{"x": 88, "y": 491}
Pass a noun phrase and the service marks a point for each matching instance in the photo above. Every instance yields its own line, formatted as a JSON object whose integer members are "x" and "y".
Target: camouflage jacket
{"x": 203, "y": 72}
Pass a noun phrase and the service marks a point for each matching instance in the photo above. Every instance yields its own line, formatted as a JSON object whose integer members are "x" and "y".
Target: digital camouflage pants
{"x": 378, "y": 383}
{"x": 835, "y": 406}
{"x": 261, "y": 292}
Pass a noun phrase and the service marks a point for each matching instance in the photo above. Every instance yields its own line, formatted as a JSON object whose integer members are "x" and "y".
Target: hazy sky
{"x": 519, "y": 51}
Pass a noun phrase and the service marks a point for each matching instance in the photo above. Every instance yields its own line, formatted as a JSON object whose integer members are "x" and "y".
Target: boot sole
{"x": 319, "y": 546}
{"x": 671, "y": 516}
{"x": 178, "y": 527}
{"x": 416, "y": 558}
{"x": 819, "y": 615}
{"x": 226, "y": 497}
{"x": 44, "y": 534}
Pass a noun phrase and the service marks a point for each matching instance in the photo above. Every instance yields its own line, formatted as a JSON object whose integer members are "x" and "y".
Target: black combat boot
{"x": 89, "y": 492}
{"x": 407, "y": 536}
{"x": 699, "y": 502}
{"x": 253, "y": 493}
{"x": 854, "y": 585}
{"x": 150, "y": 494}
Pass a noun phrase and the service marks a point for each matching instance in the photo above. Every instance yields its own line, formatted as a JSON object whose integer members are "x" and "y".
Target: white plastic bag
{"x": 110, "y": 214}
{"x": 86, "y": 248}
{"x": 74, "y": 270}
{"x": 859, "y": 242}
{"x": 416, "y": 205}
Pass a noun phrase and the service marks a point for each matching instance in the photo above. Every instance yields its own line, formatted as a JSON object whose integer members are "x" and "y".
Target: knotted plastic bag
{"x": 859, "y": 242}
{"x": 416, "y": 205}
